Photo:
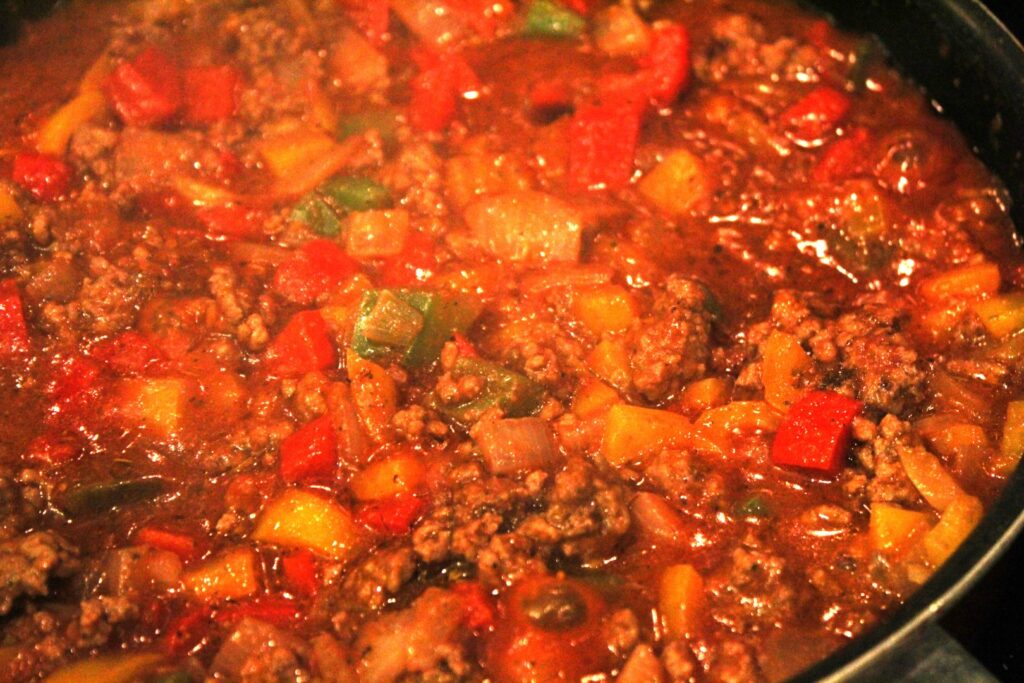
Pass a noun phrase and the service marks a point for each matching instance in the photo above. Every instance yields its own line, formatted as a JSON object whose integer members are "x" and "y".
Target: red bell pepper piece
{"x": 299, "y": 573}
{"x": 44, "y": 176}
{"x": 54, "y": 450}
{"x": 667, "y": 62}
{"x": 73, "y": 386}
{"x": 180, "y": 544}
{"x": 842, "y": 158}
{"x": 478, "y": 605}
{"x": 211, "y": 93}
{"x": 816, "y": 432}
{"x": 186, "y": 630}
{"x": 436, "y": 89}
{"x": 816, "y": 114}
{"x": 580, "y": 6}
{"x": 128, "y": 353}
{"x": 273, "y": 610}
{"x": 466, "y": 348}
{"x": 373, "y": 17}
{"x": 147, "y": 90}
{"x": 13, "y": 331}
{"x": 310, "y": 453}
{"x": 318, "y": 267}
{"x": 391, "y": 517}
{"x": 602, "y": 145}
{"x": 233, "y": 220}
{"x": 302, "y": 346}
{"x": 550, "y": 94}
{"x": 413, "y": 266}
{"x": 484, "y": 16}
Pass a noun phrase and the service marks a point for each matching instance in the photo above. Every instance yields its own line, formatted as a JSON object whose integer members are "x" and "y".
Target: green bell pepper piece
{"x": 315, "y": 212}
{"x": 90, "y": 499}
{"x": 357, "y": 194}
{"x": 516, "y": 394}
{"x": 550, "y": 19}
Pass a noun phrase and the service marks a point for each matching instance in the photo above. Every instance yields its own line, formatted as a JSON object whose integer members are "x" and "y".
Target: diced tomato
{"x": 180, "y": 544}
{"x": 391, "y": 517}
{"x": 302, "y": 346}
{"x": 299, "y": 573}
{"x": 668, "y": 62}
{"x": 816, "y": 114}
{"x": 310, "y": 453}
{"x": 44, "y": 176}
{"x": 128, "y": 353}
{"x": 484, "y": 16}
{"x": 373, "y": 17}
{"x": 414, "y": 265}
{"x": 54, "y": 450}
{"x": 466, "y": 348}
{"x": 273, "y": 610}
{"x": 147, "y": 90}
{"x": 479, "y": 606}
{"x": 186, "y": 630}
{"x": 436, "y": 89}
{"x": 318, "y": 267}
{"x": 211, "y": 93}
{"x": 13, "y": 332}
{"x": 816, "y": 432}
{"x": 602, "y": 145}
{"x": 72, "y": 386}
{"x": 842, "y": 158}
{"x": 550, "y": 93}
{"x": 233, "y": 220}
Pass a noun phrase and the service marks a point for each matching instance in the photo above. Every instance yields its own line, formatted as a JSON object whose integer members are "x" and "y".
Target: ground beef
{"x": 739, "y": 48}
{"x": 98, "y": 617}
{"x": 881, "y": 459}
{"x": 670, "y": 346}
{"x": 256, "y": 652}
{"x": 28, "y": 563}
{"x": 380, "y": 576}
{"x": 686, "y": 477}
{"x": 752, "y": 590}
{"x": 417, "y": 175}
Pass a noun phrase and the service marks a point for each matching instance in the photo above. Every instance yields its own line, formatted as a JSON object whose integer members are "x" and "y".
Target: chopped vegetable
{"x": 515, "y": 394}
{"x": 398, "y": 474}
{"x": 754, "y": 506}
{"x": 376, "y": 234}
{"x": 156, "y": 403}
{"x": 678, "y": 184}
{"x": 1011, "y": 447}
{"x": 433, "y": 21}
{"x": 704, "y": 394}
{"x": 606, "y": 308}
{"x": 668, "y": 62}
{"x": 966, "y": 283}
{"x": 181, "y": 545}
{"x": 656, "y": 517}
{"x": 318, "y": 215}
{"x": 231, "y": 575}
{"x": 436, "y": 91}
{"x": 357, "y": 194}
{"x": 620, "y": 32}
{"x": 55, "y": 134}
{"x": 894, "y": 530}
{"x": 299, "y": 573}
{"x": 593, "y": 398}
{"x": 515, "y": 445}
{"x": 391, "y": 517}
{"x": 357, "y": 64}
{"x": 783, "y": 359}
{"x": 602, "y": 145}
{"x": 10, "y": 210}
{"x": 383, "y": 121}
{"x": 94, "y": 499}
{"x": 816, "y": 432}
{"x": 374, "y": 394}
{"x": 303, "y": 519}
{"x": 146, "y": 91}
{"x": 310, "y": 453}
{"x": 1002, "y": 315}
{"x": 843, "y": 158}
{"x": 233, "y": 220}
{"x": 609, "y": 360}
{"x": 390, "y": 330}
{"x": 551, "y": 19}
{"x": 319, "y": 267}
{"x": 815, "y": 115}
{"x": 474, "y": 175}
{"x": 211, "y": 93}
{"x": 929, "y": 477}
{"x": 717, "y": 427}
{"x": 116, "y": 668}
{"x": 955, "y": 525}
{"x": 13, "y": 332}
{"x": 632, "y": 432}
{"x": 681, "y": 600}
{"x": 302, "y": 159}
{"x": 45, "y": 177}
{"x": 302, "y": 346}
{"x": 526, "y": 226}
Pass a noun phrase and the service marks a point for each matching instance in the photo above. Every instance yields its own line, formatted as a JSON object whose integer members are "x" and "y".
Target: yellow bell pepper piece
{"x": 717, "y": 427}
{"x": 477, "y": 174}
{"x": 631, "y": 432}
{"x": 676, "y": 185}
{"x": 229, "y": 576}
{"x": 955, "y": 525}
{"x": 10, "y": 210}
{"x": 681, "y": 600}
{"x": 593, "y": 398}
{"x": 303, "y": 519}
{"x": 158, "y": 404}
{"x": 55, "y": 134}
{"x": 783, "y": 359}
{"x": 609, "y": 360}
{"x": 1002, "y": 315}
{"x": 704, "y": 394}
{"x": 106, "y": 669}
{"x": 606, "y": 308}
{"x": 387, "y": 478}
{"x": 377, "y": 233}
{"x": 964, "y": 284}
{"x": 893, "y": 530}
{"x": 374, "y": 394}
{"x": 1011, "y": 447}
